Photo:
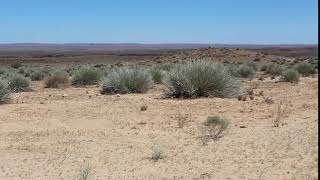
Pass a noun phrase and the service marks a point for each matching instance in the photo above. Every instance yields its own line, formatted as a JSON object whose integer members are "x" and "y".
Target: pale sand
{"x": 44, "y": 137}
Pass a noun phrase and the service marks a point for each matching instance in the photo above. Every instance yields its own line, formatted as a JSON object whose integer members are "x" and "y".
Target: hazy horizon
{"x": 159, "y": 22}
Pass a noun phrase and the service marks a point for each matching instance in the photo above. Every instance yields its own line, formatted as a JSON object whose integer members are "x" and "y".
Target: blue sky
{"x": 159, "y": 21}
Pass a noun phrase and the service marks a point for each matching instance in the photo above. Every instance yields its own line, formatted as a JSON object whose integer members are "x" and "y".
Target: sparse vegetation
{"x": 126, "y": 80}
{"x": 86, "y": 76}
{"x": 213, "y": 128}
{"x": 18, "y": 83}
{"x": 274, "y": 70}
{"x": 37, "y": 75}
{"x": 16, "y": 65}
{"x": 4, "y": 92}
{"x": 305, "y": 68}
{"x": 201, "y": 79}
{"x": 57, "y": 80}
{"x": 290, "y": 75}
{"x": 84, "y": 173}
{"x": 280, "y": 112}
{"x": 245, "y": 71}
{"x": 157, "y": 153}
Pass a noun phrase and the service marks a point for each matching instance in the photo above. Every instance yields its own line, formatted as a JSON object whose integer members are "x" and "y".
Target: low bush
{"x": 274, "y": 70}
{"x": 290, "y": 75}
{"x": 37, "y": 75}
{"x": 57, "y": 80}
{"x": 305, "y": 68}
{"x": 86, "y": 76}
{"x": 213, "y": 128}
{"x": 201, "y": 79}
{"x": 157, "y": 75}
{"x": 4, "y": 92}
{"x": 126, "y": 80}
{"x": 245, "y": 71}
{"x": 18, "y": 83}
{"x": 16, "y": 65}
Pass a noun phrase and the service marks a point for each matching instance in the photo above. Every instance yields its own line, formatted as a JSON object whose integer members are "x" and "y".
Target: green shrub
{"x": 290, "y": 75}
{"x": 86, "y": 76}
{"x": 16, "y": 65}
{"x": 245, "y": 71}
{"x": 37, "y": 75}
{"x": 126, "y": 80}
{"x": 264, "y": 67}
{"x": 4, "y": 92}
{"x": 305, "y": 68}
{"x": 252, "y": 65}
{"x": 274, "y": 70}
{"x": 19, "y": 83}
{"x": 201, "y": 78}
{"x": 57, "y": 80}
{"x": 157, "y": 75}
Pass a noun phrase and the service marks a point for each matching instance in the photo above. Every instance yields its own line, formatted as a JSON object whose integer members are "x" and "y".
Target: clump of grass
{"x": 201, "y": 79}
{"x": 4, "y": 92}
{"x": 157, "y": 75}
{"x": 86, "y": 76}
{"x": 37, "y": 75}
{"x": 305, "y": 68}
{"x": 126, "y": 80}
{"x": 157, "y": 153}
{"x": 290, "y": 75}
{"x": 274, "y": 70}
{"x": 280, "y": 112}
{"x": 245, "y": 71}
{"x": 18, "y": 83}
{"x": 84, "y": 173}
{"x": 213, "y": 128}
{"x": 57, "y": 80}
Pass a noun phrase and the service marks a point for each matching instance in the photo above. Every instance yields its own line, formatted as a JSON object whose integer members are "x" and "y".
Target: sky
{"x": 159, "y": 21}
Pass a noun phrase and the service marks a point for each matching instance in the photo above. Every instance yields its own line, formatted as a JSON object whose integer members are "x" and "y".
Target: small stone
{"x": 143, "y": 108}
{"x": 268, "y": 100}
{"x": 118, "y": 95}
{"x": 261, "y": 93}
{"x": 64, "y": 95}
{"x": 251, "y": 97}
{"x": 41, "y": 102}
{"x": 242, "y": 126}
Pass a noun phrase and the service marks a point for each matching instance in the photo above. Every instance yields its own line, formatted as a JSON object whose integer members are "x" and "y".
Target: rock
{"x": 268, "y": 100}
{"x": 64, "y": 95}
{"x": 118, "y": 95}
{"x": 251, "y": 97}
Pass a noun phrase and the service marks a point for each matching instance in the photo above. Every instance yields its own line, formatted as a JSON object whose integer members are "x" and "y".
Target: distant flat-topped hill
{"x": 134, "y": 46}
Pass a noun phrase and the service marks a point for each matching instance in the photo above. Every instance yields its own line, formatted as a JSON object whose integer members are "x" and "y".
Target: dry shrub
{"x": 213, "y": 128}
{"x": 280, "y": 112}
{"x": 4, "y": 92}
{"x": 57, "y": 80}
{"x": 84, "y": 173}
{"x": 182, "y": 119}
{"x": 18, "y": 83}
{"x": 157, "y": 152}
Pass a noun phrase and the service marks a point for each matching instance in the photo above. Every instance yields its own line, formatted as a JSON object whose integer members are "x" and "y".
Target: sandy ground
{"x": 44, "y": 135}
